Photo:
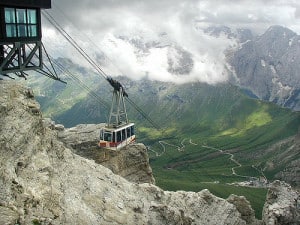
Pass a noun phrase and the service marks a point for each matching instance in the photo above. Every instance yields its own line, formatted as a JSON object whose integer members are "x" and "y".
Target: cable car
{"x": 118, "y": 132}
{"x": 117, "y": 138}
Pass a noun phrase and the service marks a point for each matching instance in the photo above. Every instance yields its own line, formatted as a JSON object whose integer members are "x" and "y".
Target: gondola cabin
{"x": 20, "y": 35}
{"x": 117, "y": 138}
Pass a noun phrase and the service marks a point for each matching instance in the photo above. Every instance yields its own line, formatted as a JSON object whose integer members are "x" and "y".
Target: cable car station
{"x": 20, "y": 35}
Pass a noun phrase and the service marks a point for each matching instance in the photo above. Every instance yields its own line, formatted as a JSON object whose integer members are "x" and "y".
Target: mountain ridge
{"x": 268, "y": 65}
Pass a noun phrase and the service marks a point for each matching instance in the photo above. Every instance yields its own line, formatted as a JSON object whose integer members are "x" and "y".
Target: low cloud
{"x": 104, "y": 23}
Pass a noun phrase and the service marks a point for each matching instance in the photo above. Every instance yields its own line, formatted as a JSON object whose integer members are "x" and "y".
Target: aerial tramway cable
{"x": 80, "y": 83}
{"x": 85, "y": 36}
{"x": 47, "y": 72}
{"x": 74, "y": 44}
{"x": 93, "y": 63}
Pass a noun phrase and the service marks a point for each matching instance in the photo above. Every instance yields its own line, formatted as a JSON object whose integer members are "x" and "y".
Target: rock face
{"x": 132, "y": 162}
{"x": 243, "y": 206}
{"x": 43, "y": 182}
{"x": 268, "y": 66}
{"x": 285, "y": 160}
{"x": 282, "y": 205}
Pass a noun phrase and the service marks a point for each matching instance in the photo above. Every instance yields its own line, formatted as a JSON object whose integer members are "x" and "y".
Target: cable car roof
{"x": 44, "y": 4}
{"x": 118, "y": 128}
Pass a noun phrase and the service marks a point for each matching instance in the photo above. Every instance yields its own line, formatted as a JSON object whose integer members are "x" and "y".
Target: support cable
{"x": 82, "y": 85}
{"x": 93, "y": 63}
{"x": 74, "y": 44}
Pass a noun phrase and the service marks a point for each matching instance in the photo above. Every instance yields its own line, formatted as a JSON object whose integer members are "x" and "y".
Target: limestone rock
{"x": 131, "y": 162}
{"x": 244, "y": 207}
{"x": 282, "y": 205}
{"x": 43, "y": 182}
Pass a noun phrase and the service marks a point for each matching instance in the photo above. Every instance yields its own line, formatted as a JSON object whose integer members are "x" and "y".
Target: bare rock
{"x": 282, "y": 205}
{"x": 244, "y": 207}
{"x": 59, "y": 127}
{"x": 42, "y": 181}
{"x": 131, "y": 162}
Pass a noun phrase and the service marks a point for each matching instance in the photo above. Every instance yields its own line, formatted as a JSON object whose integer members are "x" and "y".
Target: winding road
{"x": 231, "y": 158}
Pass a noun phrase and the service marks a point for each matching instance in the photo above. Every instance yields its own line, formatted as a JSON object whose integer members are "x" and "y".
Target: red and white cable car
{"x": 118, "y": 132}
{"x": 117, "y": 138}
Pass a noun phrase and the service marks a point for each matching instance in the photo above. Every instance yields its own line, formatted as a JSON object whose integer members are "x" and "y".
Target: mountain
{"x": 211, "y": 136}
{"x": 269, "y": 65}
{"x": 240, "y": 34}
{"x": 221, "y": 116}
{"x": 44, "y": 182}
{"x": 266, "y": 66}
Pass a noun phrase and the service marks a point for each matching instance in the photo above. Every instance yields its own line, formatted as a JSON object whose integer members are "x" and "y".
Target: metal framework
{"x": 118, "y": 113}
{"x": 21, "y": 48}
{"x": 20, "y": 56}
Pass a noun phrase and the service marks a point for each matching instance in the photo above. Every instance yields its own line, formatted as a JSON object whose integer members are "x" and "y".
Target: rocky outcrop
{"x": 43, "y": 182}
{"x": 282, "y": 205}
{"x": 132, "y": 162}
{"x": 243, "y": 206}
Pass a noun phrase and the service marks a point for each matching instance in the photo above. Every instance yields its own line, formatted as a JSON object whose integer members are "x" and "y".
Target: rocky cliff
{"x": 43, "y": 182}
{"x": 132, "y": 162}
{"x": 282, "y": 205}
{"x": 268, "y": 66}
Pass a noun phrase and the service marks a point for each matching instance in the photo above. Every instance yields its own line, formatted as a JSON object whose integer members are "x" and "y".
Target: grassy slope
{"x": 221, "y": 117}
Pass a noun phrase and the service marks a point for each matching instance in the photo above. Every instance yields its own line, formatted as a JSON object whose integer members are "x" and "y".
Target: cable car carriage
{"x": 118, "y": 132}
{"x": 117, "y": 138}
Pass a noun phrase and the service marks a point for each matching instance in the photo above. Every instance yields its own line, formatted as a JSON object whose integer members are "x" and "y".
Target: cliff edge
{"x": 132, "y": 162}
{"x": 43, "y": 182}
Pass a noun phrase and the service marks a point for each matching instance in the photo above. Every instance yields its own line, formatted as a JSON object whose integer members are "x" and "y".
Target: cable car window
{"x": 119, "y": 138}
{"x": 114, "y": 137}
{"x": 107, "y": 136}
{"x": 101, "y": 135}
{"x": 132, "y": 130}
{"x": 123, "y": 134}
{"x": 128, "y": 132}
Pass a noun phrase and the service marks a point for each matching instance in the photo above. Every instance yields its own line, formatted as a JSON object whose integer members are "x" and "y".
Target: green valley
{"x": 211, "y": 135}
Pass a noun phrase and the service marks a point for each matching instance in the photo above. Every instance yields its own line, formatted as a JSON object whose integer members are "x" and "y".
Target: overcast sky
{"x": 103, "y": 21}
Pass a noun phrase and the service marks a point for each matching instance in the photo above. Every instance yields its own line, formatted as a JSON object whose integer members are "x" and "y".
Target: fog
{"x": 115, "y": 34}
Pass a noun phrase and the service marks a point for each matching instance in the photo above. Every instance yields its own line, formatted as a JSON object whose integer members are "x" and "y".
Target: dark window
{"x": 128, "y": 132}
{"x": 119, "y": 137}
{"x": 101, "y": 134}
{"x": 21, "y": 22}
{"x": 132, "y": 130}
{"x": 107, "y": 136}
{"x": 123, "y": 134}
{"x": 114, "y": 137}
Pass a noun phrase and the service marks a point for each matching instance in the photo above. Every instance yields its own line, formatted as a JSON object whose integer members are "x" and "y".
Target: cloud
{"x": 105, "y": 21}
